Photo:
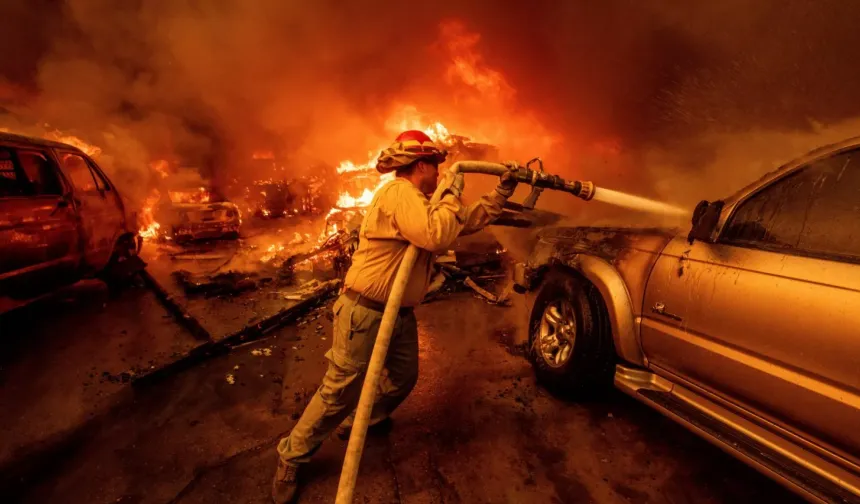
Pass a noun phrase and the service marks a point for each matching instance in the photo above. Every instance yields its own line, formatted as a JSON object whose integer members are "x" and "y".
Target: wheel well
{"x": 598, "y": 304}
{"x": 610, "y": 298}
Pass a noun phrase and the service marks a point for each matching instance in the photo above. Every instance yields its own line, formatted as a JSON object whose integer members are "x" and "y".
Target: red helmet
{"x": 407, "y": 148}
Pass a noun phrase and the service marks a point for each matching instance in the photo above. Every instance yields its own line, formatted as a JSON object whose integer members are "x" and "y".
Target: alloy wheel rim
{"x": 557, "y": 333}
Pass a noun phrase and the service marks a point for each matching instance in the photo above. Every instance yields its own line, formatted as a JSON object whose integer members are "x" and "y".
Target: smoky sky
{"x": 207, "y": 82}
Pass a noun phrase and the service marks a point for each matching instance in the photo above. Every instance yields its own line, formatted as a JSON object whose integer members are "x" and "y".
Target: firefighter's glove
{"x": 454, "y": 183}
{"x": 507, "y": 181}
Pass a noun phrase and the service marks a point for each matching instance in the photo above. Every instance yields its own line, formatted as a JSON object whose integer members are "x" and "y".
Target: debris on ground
{"x": 266, "y": 352}
{"x": 309, "y": 290}
{"x": 502, "y": 299}
{"x": 229, "y": 283}
{"x": 436, "y": 283}
{"x": 464, "y": 269}
{"x": 230, "y": 379}
{"x": 124, "y": 377}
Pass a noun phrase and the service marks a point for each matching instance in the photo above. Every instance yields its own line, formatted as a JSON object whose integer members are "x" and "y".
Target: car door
{"x": 768, "y": 317}
{"x": 97, "y": 205}
{"x": 39, "y": 246}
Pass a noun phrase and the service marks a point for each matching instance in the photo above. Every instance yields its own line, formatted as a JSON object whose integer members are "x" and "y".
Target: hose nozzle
{"x": 586, "y": 190}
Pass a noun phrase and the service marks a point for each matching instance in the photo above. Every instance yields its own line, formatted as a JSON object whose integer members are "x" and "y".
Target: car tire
{"x": 570, "y": 341}
{"x": 123, "y": 265}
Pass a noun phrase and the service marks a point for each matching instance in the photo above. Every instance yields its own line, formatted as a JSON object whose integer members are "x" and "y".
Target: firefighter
{"x": 399, "y": 214}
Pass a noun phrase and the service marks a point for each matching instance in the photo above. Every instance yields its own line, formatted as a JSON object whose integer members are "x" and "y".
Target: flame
{"x": 88, "y": 149}
{"x": 149, "y": 229}
{"x": 467, "y": 63}
{"x": 347, "y": 200}
{"x": 406, "y": 118}
{"x": 161, "y": 167}
{"x": 272, "y": 252}
{"x": 199, "y": 195}
{"x": 150, "y": 232}
{"x": 298, "y": 239}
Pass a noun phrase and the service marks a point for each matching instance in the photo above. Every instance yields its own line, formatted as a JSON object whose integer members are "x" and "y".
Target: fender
{"x": 612, "y": 288}
{"x": 618, "y": 304}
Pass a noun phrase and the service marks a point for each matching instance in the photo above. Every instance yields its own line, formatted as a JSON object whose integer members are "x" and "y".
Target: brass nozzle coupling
{"x": 586, "y": 190}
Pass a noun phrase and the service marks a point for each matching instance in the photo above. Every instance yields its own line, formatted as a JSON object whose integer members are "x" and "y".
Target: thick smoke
{"x": 661, "y": 98}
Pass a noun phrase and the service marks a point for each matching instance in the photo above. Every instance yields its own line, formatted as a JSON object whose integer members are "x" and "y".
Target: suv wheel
{"x": 123, "y": 265}
{"x": 570, "y": 343}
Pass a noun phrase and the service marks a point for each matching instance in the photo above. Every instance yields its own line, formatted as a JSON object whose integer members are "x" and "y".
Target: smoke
{"x": 664, "y": 98}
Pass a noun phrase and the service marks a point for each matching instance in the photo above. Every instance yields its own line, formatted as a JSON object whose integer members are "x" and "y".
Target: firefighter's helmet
{"x": 408, "y": 147}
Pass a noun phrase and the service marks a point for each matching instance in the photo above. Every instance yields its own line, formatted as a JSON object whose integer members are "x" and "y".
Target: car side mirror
{"x": 705, "y": 218}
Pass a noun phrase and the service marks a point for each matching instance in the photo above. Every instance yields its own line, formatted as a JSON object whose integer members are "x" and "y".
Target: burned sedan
{"x": 197, "y": 213}
{"x": 743, "y": 328}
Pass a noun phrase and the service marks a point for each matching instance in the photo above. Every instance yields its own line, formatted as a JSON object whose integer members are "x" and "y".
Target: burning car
{"x": 195, "y": 213}
{"x": 744, "y": 328}
{"x": 61, "y": 219}
{"x": 281, "y": 198}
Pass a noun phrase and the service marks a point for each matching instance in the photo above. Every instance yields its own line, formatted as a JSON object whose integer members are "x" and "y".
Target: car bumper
{"x": 207, "y": 230}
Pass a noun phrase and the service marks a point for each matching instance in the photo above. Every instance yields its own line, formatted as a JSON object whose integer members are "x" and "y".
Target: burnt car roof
{"x": 38, "y": 142}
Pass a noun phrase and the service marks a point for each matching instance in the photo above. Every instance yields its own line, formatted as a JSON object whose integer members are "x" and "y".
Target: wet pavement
{"x": 477, "y": 428}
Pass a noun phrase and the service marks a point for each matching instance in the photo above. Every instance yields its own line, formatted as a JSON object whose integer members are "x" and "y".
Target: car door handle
{"x": 61, "y": 203}
{"x": 660, "y": 309}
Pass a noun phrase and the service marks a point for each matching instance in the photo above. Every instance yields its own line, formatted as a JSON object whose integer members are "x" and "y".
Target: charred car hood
{"x": 608, "y": 243}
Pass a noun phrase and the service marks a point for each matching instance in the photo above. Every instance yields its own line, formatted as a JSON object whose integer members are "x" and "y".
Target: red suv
{"x": 61, "y": 219}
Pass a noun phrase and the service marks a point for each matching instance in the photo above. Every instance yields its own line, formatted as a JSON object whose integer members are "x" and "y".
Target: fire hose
{"x": 539, "y": 180}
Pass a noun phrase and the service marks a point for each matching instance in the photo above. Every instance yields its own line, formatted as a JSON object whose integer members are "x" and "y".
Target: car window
{"x": 101, "y": 182}
{"x": 40, "y": 173}
{"x": 814, "y": 211}
{"x": 76, "y": 168}
{"x": 11, "y": 183}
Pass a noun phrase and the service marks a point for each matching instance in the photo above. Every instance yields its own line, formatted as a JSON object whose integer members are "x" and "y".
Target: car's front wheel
{"x": 570, "y": 342}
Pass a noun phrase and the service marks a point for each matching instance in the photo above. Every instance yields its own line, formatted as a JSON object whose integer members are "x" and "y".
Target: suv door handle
{"x": 660, "y": 309}
{"x": 61, "y": 203}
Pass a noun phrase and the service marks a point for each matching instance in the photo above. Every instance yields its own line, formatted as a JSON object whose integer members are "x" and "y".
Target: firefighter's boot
{"x": 284, "y": 485}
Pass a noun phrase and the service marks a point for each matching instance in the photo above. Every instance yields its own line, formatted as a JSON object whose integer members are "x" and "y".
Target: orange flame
{"x": 467, "y": 64}
{"x": 161, "y": 167}
{"x": 149, "y": 228}
{"x": 199, "y": 195}
{"x": 88, "y": 149}
{"x": 407, "y": 118}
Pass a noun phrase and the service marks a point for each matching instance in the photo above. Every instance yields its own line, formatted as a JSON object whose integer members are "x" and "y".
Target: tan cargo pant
{"x": 334, "y": 402}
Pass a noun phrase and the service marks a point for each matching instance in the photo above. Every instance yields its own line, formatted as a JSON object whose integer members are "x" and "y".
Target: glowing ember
{"x": 273, "y": 251}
